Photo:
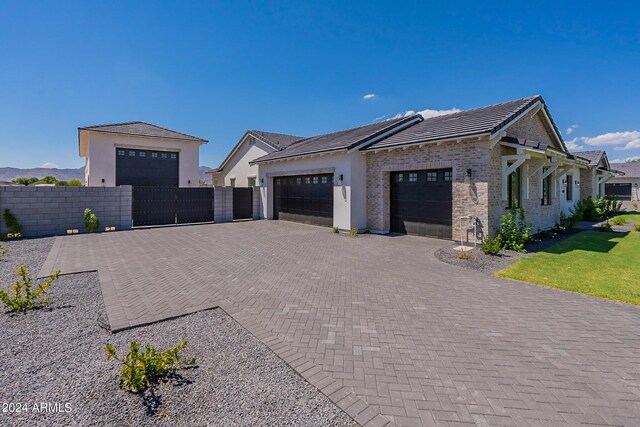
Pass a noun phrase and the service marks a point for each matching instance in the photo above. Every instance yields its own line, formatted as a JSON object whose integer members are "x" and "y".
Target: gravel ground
{"x": 489, "y": 264}
{"x": 54, "y": 355}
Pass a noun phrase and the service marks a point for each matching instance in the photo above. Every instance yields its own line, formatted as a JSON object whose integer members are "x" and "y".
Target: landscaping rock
{"x": 54, "y": 356}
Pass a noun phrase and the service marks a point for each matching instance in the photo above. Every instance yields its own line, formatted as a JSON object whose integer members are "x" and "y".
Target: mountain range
{"x": 7, "y": 174}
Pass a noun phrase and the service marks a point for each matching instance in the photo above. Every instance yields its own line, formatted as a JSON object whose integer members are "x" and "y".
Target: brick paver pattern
{"x": 388, "y": 332}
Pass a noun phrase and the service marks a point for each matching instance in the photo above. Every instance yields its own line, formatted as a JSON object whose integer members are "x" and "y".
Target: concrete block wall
{"x": 222, "y": 204}
{"x": 49, "y": 211}
{"x": 256, "y": 202}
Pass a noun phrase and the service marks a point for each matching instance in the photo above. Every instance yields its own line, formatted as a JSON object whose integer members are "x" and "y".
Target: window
{"x": 413, "y": 176}
{"x": 325, "y": 180}
{"x": 154, "y": 155}
{"x": 307, "y": 180}
{"x": 163, "y": 155}
{"x": 513, "y": 190}
{"x": 120, "y": 152}
{"x": 251, "y": 181}
{"x": 399, "y": 177}
{"x": 546, "y": 190}
{"x": 173, "y": 155}
{"x": 232, "y": 182}
{"x": 569, "y": 179}
{"x": 432, "y": 176}
{"x": 142, "y": 154}
{"x": 132, "y": 153}
{"x": 315, "y": 179}
{"x": 448, "y": 176}
{"x": 298, "y": 180}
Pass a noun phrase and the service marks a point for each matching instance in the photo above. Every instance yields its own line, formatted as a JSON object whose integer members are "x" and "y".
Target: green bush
{"x": 91, "y": 221}
{"x": 141, "y": 369}
{"x": 492, "y": 246}
{"x": 353, "y": 232}
{"x": 619, "y": 220}
{"x": 514, "y": 230}
{"x": 15, "y": 229}
{"x": 605, "y": 226}
{"x": 336, "y": 230}
{"x": 23, "y": 298}
{"x": 637, "y": 227}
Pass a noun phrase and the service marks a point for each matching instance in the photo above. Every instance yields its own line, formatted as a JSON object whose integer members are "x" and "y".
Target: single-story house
{"x": 625, "y": 186}
{"x": 426, "y": 176}
{"x": 140, "y": 154}
{"x": 594, "y": 177}
{"x": 235, "y": 170}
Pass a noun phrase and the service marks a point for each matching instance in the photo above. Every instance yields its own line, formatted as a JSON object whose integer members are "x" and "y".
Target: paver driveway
{"x": 379, "y": 325}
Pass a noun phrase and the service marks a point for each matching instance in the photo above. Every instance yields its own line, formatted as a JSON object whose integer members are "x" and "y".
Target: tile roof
{"x": 526, "y": 142}
{"x": 276, "y": 140}
{"x": 630, "y": 170}
{"x": 594, "y": 157}
{"x": 142, "y": 129}
{"x": 489, "y": 119}
{"x": 341, "y": 140}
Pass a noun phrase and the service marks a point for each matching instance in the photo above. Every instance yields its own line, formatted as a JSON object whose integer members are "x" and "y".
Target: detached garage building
{"x": 139, "y": 154}
{"x": 420, "y": 175}
{"x": 627, "y": 186}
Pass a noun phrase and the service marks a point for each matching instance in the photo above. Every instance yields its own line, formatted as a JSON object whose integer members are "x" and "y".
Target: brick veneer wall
{"x": 469, "y": 198}
{"x": 47, "y": 211}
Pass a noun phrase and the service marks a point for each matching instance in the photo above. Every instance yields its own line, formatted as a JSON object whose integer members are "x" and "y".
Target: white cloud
{"x": 49, "y": 165}
{"x": 620, "y": 141}
{"x": 573, "y": 145}
{"x": 628, "y": 159}
{"x": 427, "y": 113}
{"x": 570, "y": 129}
{"x": 369, "y": 96}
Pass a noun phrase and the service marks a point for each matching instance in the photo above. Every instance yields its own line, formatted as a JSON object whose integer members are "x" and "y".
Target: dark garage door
{"x": 304, "y": 198}
{"x": 146, "y": 168}
{"x": 421, "y": 203}
{"x": 623, "y": 191}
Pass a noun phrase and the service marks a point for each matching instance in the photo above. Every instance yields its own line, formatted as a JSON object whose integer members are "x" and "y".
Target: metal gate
{"x": 242, "y": 203}
{"x": 171, "y": 205}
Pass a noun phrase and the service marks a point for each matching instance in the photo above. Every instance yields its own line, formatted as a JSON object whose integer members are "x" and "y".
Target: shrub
{"x": 611, "y": 204}
{"x": 23, "y": 298}
{"x": 636, "y": 226}
{"x": 619, "y": 220}
{"x": 91, "y": 221}
{"x": 353, "y": 232}
{"x": 3, "y": 252}
{"x": 336, "y": 230}
{"x": 467, "y": 255}
{"x": 141, "y": 369}
{"x": 15, "y": 229}
{"x": 491, "y": 246}
{"x": 514, "y": 230}
{"x": 605, "y": 226}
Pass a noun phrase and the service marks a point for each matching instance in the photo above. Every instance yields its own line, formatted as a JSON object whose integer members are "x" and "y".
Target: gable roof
{"x": 142, "y": 129}
{"x": 478, "y": 121}
{"x": 277, "y": 141}
{"x": 594, "y": 157}
{"x": 342, "y": 140}
{"x": 630, "y": 170}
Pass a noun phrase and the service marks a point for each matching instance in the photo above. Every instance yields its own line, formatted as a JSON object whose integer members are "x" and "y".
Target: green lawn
{"x": 633, "y": 217}
{"x": 605, "y": 265}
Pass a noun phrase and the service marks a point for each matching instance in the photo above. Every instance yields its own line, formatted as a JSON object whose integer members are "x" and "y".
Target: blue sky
{"x": 216, "y": 69}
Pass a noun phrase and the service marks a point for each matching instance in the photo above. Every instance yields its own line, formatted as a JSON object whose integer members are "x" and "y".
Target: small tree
{"x": 11, "y": 222}
{"x": 75, "y": 183}
{"x": 514, "y": 230}
{"x": 23, "y": 298}
{"x": 91, "y": 221}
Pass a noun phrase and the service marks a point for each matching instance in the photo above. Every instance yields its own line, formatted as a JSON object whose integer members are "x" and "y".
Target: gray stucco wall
{"x": 47, "y": 211}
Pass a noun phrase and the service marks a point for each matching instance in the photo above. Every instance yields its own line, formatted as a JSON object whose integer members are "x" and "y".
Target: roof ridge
{"x": 139, "y": 122}
{"x": 528, "y": 98}
{"x": 275, "y": 133}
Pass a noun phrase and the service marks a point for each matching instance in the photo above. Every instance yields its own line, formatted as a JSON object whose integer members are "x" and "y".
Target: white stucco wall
{"x": 238, "y": 166}
{"x": 349, "y": 197}
{"x": 565, "y": 204}
{"x": 100, "y": 160}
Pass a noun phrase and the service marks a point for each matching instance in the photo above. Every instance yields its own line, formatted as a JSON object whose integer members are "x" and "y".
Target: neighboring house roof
{"x": 630, "y": 170}
{"x": 277, "y": 141}
{"x": 142, "y": 129}
{"x": 485, "y": 120}
{"x": 594, "y": 157}
{"x": 341, "y": 140}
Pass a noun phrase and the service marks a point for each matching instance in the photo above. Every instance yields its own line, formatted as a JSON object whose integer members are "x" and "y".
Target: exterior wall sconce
{"x": 340, "y": 179}
{"x": 102, "y": 181}
{"x": 468, "y": 174}
{"x": 261, "y": 180}
{"x": 577, "y": 183}
{"x": 189, "y": 182}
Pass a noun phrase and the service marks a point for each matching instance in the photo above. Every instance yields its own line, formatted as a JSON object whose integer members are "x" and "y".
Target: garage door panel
{"x": 146, "y": 168}
{"x": 421, "y": 203}
{"x": 621, "y": 190}
{"x": 304, "y": 198}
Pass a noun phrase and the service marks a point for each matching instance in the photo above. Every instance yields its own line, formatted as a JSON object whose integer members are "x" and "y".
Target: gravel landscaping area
{"x": 475, "y": 259}
{"x": 54, "y": 355}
